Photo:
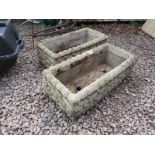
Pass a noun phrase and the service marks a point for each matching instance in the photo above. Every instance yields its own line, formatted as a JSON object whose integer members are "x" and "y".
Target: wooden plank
{"x": 149, "y": 27}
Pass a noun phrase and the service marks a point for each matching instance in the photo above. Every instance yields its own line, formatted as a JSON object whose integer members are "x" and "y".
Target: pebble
{"x": 26, "y": 114}
{"x": 140, "y": 115}
{"x": 47, "y": 118}
{"x": 41, "y": 124}
{"x": 153, "y": 123}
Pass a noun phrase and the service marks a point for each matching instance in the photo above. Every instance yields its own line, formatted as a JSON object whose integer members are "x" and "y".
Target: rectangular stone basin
{"x": 82, "y": 81}
{"x": 59, "y": 48}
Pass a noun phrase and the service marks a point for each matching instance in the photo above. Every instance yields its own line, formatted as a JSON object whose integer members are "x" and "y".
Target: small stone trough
{"x": 82, "y": 81}
{"x": 57, "y": 49}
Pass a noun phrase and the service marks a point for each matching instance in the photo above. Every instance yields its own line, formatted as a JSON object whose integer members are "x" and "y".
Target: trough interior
{"x": 89, "y": 69}
{"x": 72, "y": 40}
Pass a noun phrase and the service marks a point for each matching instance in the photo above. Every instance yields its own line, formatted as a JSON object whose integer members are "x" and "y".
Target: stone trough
{"x": 82, "y": 81}
{"x": 60, "y": 48}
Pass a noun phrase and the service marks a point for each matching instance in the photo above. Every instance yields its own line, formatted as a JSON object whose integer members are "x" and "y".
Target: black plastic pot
{"x": 10, "y": 44}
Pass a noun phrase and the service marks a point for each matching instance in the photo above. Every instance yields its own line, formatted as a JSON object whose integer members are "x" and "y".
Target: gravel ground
{"x": 129, "y": 109}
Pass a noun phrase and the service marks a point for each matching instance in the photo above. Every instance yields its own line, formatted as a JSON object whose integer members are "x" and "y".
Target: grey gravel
{"x": 129, "y": 109}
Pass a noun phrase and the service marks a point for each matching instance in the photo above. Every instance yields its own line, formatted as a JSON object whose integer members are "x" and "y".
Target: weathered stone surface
{"x": 77, "y": 103}
{"x": 59, "y": 48}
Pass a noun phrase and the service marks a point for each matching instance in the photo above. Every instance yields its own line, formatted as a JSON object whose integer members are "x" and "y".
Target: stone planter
{"x": 82, "y": 81}
{"x": 59, "y": 48}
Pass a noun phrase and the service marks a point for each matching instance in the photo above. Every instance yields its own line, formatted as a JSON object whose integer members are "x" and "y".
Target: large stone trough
{"x": 82, "y": 81}
{"x": 57, "y": 49}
